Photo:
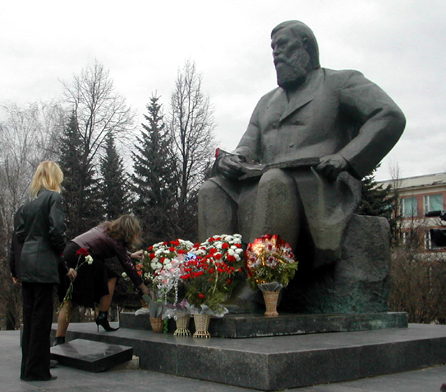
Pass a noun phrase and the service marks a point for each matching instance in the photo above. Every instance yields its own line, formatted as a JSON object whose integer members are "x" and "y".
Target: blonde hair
{"x": 126, "y": 228}
{"x": 48, "y": 175}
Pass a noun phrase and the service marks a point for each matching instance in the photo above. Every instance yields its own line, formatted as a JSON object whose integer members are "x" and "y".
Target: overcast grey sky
{"x": 398, "y": 44}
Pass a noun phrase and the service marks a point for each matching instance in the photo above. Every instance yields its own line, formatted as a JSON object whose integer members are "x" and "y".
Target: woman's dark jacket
{"x": 15, "y": 249}
{"x": 101, "y": 246}
{"x": 42, "y": 232}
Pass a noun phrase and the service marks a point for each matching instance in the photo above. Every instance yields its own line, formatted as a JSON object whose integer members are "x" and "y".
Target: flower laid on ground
{"x": 83, "y": 258}
{"x": 270, "y": 263}
{"x": 209, "y": 271}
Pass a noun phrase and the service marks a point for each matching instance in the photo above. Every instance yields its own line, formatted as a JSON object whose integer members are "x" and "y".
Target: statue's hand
{"x": 331, "y": 165}
{"x": 231, "y": 166}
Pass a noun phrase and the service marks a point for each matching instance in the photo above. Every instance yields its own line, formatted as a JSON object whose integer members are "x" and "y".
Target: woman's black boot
{"x": 59, "y": 340}
{"x": 102, "y": 320}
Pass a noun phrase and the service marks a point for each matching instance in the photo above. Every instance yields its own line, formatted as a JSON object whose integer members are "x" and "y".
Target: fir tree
{"x": 378, "y": 201}
{"x": 155, "y": 179}
{"x": 113, "y": 185}
{"x": 81, "y": 205}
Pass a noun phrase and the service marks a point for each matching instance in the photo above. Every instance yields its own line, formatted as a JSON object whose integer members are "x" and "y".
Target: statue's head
{"x": 295, "y": 52}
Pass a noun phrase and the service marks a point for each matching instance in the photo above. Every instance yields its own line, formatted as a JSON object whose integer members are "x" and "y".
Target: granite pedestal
{"x": 256, "y": 325}
{"x": 280, "y": 362}
{"x": 90, "y": 355}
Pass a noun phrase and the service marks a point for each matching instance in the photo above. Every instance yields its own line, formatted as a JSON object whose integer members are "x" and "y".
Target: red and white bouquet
{"x": 209, "y": 271}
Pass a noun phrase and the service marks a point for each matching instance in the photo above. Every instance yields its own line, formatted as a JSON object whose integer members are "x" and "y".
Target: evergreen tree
{"x": 82, "y": 208}
{"x": 113, "y": 184}
{"x": 155, "y": 180}
{"x": 378, "y": 201}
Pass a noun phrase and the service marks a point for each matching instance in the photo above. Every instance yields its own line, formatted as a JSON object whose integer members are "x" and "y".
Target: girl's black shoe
{"x": 102, "y": 320}
{"x": 59, "y": 340}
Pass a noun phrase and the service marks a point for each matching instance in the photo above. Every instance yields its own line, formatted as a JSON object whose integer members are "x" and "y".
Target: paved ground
{"x": 122, "y": 379}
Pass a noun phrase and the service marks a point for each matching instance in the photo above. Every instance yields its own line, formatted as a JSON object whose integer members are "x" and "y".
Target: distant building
{"x": 416, "y": 197}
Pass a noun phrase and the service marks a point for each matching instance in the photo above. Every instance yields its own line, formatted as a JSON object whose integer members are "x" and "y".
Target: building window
{"x": 408, "y": 207}
{"x": 428, "y": 244}
{"x": 433, "y": 202}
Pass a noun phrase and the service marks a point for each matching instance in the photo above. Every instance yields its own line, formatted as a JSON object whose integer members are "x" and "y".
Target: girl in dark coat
{"x": 41, "y": 230}
{"x": 96, "y": 282}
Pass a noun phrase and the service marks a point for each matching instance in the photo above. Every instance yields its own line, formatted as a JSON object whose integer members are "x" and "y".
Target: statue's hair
{"x": 302, "y": 31}
{"x": 48, "y": 175}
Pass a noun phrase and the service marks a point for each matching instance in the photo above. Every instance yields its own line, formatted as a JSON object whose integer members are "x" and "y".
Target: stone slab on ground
{"x": 281, "y": 362}
{"x": 90, "y": 355}
{"x": 256, "y": 325}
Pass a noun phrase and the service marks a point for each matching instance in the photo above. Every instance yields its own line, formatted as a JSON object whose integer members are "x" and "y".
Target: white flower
{"x": 218, "y": 244}
{"x": 124, "y": 275}
{"x": 89, "y": 259}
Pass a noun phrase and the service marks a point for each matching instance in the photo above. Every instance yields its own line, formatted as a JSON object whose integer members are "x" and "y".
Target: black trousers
{"x": 37, "y": 319}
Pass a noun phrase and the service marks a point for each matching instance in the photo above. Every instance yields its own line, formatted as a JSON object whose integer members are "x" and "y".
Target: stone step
{"x": 256, "y": 325}
{"x": 91, "y": 356}
{"x": 281, "y": 362}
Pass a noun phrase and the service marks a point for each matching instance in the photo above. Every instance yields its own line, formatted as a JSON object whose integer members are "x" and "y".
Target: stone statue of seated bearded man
{"x": 296, "y": 170}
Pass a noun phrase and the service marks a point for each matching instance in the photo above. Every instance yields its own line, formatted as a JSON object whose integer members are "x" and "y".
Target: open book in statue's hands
{"x": 258, "y": 169}
{"x": 253, "y": 169}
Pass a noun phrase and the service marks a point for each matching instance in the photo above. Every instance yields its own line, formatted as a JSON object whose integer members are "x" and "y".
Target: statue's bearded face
{"x": 291, "y": 60}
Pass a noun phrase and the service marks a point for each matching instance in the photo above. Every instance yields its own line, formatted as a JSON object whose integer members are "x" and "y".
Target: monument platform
{"x": 256, "y": 325}
{"x": 280, "y": 362}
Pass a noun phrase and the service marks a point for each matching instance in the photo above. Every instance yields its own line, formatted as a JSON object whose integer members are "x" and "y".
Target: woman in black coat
{"x": 96, "y": 282}
{"x": 41, "y": 230}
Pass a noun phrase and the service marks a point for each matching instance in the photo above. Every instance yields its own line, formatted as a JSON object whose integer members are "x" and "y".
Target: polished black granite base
{"x": 91, "y": 356}
{"x": 280, "y": 362}
{"x": 256, "y": 325}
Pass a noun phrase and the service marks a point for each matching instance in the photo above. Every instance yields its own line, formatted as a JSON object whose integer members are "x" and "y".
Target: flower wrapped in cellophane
{"x": 209, "y": 273}
{"x": 270, "y": 263}
{"x": 161, "y": 269}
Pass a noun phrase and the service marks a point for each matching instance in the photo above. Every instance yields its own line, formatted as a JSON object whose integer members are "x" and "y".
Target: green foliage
{"x": 282, "y": 274}
{"x": 80, "y": 196}
{"x": 378, "y": 201}
{"x": 155, "y": 180}
{"x": 113, "y": 184}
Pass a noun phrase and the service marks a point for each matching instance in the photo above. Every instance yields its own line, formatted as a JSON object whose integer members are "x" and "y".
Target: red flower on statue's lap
{"x": 82, "y": 252}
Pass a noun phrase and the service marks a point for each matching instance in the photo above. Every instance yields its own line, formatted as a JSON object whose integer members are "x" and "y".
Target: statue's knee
{"x": 275, "y": 178}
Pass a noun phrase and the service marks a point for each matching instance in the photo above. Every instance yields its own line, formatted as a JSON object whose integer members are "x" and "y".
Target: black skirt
{"x": 91, "y": 283}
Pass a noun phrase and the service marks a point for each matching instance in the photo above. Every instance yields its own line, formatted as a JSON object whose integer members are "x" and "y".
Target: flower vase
{"x": 271, "y": 298}
{"x": 201, "y": 325}
{"x": 157, "y": 324}
{"x": 182, "y": 326}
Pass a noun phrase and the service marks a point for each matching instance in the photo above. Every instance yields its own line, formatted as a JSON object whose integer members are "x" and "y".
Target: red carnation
{"x": 82, "y": 252}
{"x": 225, "y": 245}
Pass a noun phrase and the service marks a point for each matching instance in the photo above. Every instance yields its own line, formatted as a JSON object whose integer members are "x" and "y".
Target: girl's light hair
{"x": 48, "y": 175}
{"x": 126, "y": 228}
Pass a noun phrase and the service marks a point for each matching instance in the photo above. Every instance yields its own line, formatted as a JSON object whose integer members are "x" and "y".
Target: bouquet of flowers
{"x": 270, "y": 263}
{"x": 161, "y": 269}
{"x": 83, "y": 258}
{"x": 209, "y": 271}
